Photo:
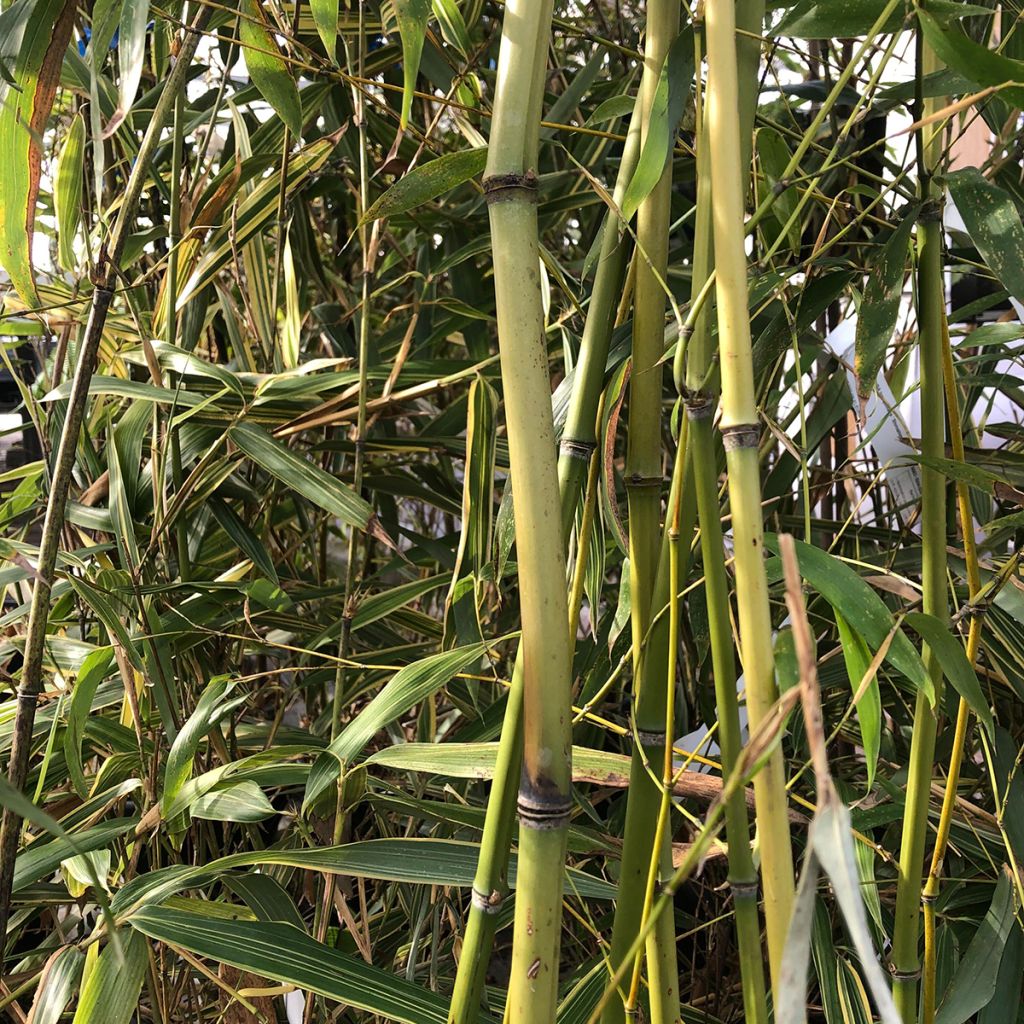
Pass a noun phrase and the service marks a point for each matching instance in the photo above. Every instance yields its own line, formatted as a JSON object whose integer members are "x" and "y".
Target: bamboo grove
{"x": 511, "y": 511}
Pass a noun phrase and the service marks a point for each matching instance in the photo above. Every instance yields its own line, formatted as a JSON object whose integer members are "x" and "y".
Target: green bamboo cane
{"x": 545, "y": 798}
{"x": 490, "y": 883}
{"x": 930, "y": 316}
{"x": 107, "y": 267}
{"x": 740, "y": 433}
{"x": 695, "y": 382}
{"x": 644, "y": 479}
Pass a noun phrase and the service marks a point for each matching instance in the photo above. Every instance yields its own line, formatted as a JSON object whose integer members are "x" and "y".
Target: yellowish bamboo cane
{"x": 739, "y": 425}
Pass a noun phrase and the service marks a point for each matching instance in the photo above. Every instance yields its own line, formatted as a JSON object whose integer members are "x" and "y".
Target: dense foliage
{"x": 276, "y": 648}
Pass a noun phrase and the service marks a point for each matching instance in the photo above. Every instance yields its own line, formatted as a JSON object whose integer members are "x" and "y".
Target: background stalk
{"x": 931, "y": 888}
{"x": 105, "y": 273}
{"x": 740, "y": 432}
{"x": 696, "y": 382}
{"x": 545, "y": 799}
{"x": 930, "y": 316}
{"x": 643, "y": 482}
{"x": 490, "y": 884}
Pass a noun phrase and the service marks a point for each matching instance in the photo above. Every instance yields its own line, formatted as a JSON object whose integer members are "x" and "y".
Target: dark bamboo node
{"x": 698, "y": 404}
{"x": 577, "y": 448}
{"x": 545, "y": 811}
{"x": 651, "y": 737}
{"x": 499, "y": 188}
{"x": 931, "y": 211}
{"x": 899, "y": 975}
{"x": 637, "y": 482}
{"x": 741, "y": 435}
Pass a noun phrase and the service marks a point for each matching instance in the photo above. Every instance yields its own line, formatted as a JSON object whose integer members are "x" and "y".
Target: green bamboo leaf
{"x": 67, "y": 192}
{"x": 24, "y": 113}
{"x": 444, "y": 862}
{"x": 974, "y": 983}
{"x": 862, "y": 608}
{"x": 301, "y": 476}
{"x": 428, "y": 181}
{"x": 955, "y": 666}
{"x": 876, "y": 317}
{"x": 975, "y": 62}
{"x": 869, "y": 708}
{"x": 1008, "y": 982}
{"x": 110, "y": 994}
{"x": 288, "y": 955}
{"x": 246, "y": 541}
{"x": 267, "y": 68}
{"x": 180, "y": 759}
{"x": 92, "y": 672}
{"x": 412, "y": 18}
{"x": 237, "y": 801}
{"x": 60, "y": 980}
{"x": 39, "y": 859}
{"x": 406, "y": 688}
{"x": 265, "y": 897}
{"x": 663, "y": 123}
{"x": 611, "y": 108}
{"x": 325, "y": 17}
{"x": 822, "y": 19}
{"x": 453, "y": 27}
{"x": 131, "y": 52}
{"x": 994, "y": 225}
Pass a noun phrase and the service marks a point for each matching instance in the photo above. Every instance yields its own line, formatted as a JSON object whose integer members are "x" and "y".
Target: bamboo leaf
{"x": 974, "y": 983}
{"x": 325, "y": 17}
{"x": 67, "y": 191}
{"x": 666, "y": 113}
{"x": 869, "y": 707}
{"x": 878, "y": 312}
{"x": 862, "y": 608}
{"x": 303, "y": 477}
{"x": 955, "y": 666}
{"x": 412, "y": 18}
{"x": 820, "y": 19}
{"x": 238, "y": 801}
{"x": 407, "y": 687}
{"x": 110, "y": 994}
{"x": 994, "y": 226}
{"x": 267, "y": 67}
{"x": 40, "y": 859}
{"x": 93, "y": 670}
{"x": 281, "y": 952}
{"x": 24, "y": 113}
{"x": 60, "y": 980}
{"x": 426, "y": 182}
{"x": 975, "y": 62}
{"x": 131, "y": 50}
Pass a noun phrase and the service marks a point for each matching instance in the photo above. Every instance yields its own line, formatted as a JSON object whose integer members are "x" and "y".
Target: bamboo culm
{"x": 644, "y": 478}
{"x": 740, "y": 433}
{"x": 104, "y": 276}
{"x": 490, "y": 884}
{"x": 695, "y": 381}
{"x": 544, "y": 803}
{"x": 930, "y": 316}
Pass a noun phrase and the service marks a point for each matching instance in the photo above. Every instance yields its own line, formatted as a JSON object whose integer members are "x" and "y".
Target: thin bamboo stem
{"x": 545, "y": 801}
{"x": 740, "y": 431}
{"x": 931, "y": 304}
{"x": 931, "y": 888}
{"x": 695, "y": 380}
{"x": 490, "y": 883}
{"x": 107, "y": 265}
{"x": 644, "y": 477}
